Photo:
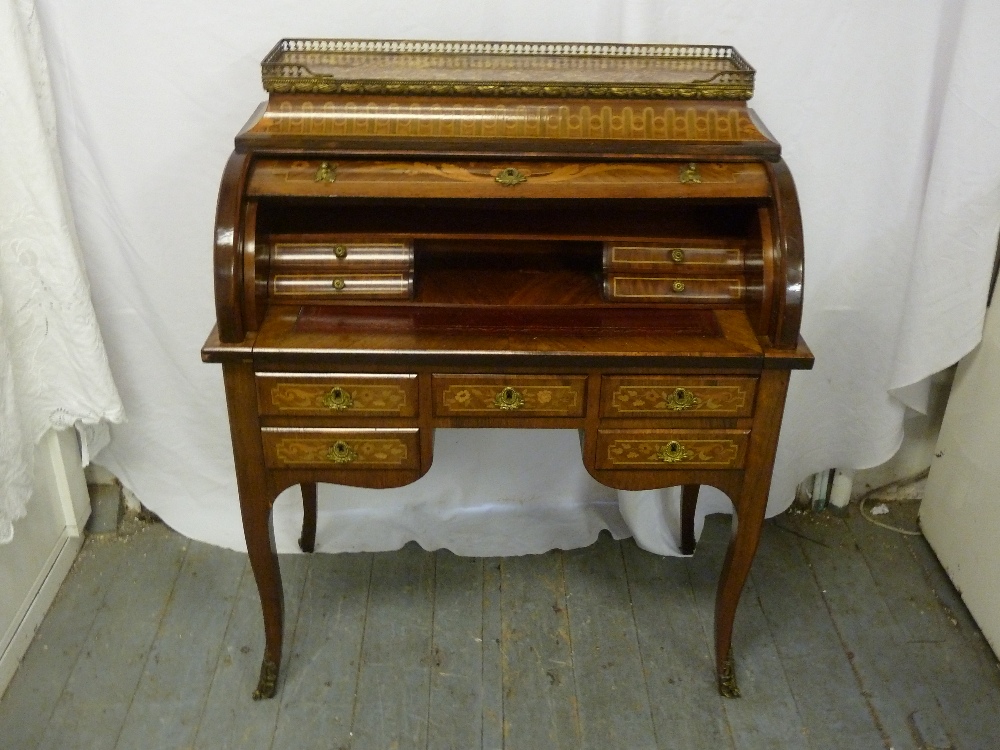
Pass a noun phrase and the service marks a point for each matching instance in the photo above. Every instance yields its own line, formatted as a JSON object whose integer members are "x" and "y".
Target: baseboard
{"x": 29, "y": 617}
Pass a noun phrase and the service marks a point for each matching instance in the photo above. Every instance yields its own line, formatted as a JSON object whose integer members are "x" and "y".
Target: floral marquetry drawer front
{"x": 512, "y": 395}
{"x": 341, "y": 449}
{"x": 338, "y": 395}
{"x": 677, "y": 396}
{"x": 671, "y": 449}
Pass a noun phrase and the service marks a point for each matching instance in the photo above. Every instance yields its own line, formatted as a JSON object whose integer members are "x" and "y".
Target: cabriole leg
{"x": 307, "y": 542}
{"x": 689, "y": 502}
{"x": 256, "y": 497}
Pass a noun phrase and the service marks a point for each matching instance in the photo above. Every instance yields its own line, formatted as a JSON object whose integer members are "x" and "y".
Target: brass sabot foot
{"x": 267, "y": 686}
{"x": 727, "y": 680}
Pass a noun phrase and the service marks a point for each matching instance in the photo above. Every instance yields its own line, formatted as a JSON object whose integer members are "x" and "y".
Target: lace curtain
{"x": 53, "y": 369}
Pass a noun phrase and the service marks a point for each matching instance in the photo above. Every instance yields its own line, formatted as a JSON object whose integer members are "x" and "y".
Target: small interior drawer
{"x": 670, "y": 449}
{"x": 342, "y": 255}
{"x": 676, "y": 396}
{"x": 341, "y": 448}
{"x": 348, "y": 285}
{"x": 338, "y": 395}
{"x": 510, "y": 395}
{"x": 667, "y": 257}
{"x": 679, "y": 289}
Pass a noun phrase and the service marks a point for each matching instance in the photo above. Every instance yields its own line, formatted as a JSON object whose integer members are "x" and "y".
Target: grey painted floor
{"x": 847, "y": 636}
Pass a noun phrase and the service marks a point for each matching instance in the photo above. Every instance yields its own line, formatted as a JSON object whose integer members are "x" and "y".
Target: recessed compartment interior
{"x": 512, "y": 253}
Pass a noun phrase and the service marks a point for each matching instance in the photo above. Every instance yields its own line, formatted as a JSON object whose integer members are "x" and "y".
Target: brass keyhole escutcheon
{"x": 338, "y": 398}
{"x": 327, "y": 172}
{"x": 673, "y": 452}
{"x": 340, "y": 251}
{"x": 690, "y": 173}
{"x": 341, "y": 453}
{"x": 510, "y": 176}
{"x": 338, "y": 284}
{"x": 678, "y": 286}
{"x": 682, "y": 399}
{"x": 508, "y": 399}
{"x": 677, "y": 255}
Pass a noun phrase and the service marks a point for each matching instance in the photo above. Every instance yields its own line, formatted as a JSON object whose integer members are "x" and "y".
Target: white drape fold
{"x": 53, "y": 369}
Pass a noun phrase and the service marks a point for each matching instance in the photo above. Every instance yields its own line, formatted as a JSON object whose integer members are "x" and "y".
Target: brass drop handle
{"x": 341, "y": 453}
{"x": 673, "y": 452}
{"x": 508, "y": 399}
{"x": 678, "y": 287}
{"x": 340, "y": 251}
{"x": 682, "y": 399}
{"x": 339, "y": 284}
{"x": 510, "y": 176}
{"x": 338, "y": 398}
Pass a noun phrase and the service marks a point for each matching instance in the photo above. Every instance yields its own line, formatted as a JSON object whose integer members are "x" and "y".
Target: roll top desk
{"x": 412, "y": 235}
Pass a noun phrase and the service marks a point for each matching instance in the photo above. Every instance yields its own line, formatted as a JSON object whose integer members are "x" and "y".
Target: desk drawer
{"x": 681, "y": 257}
{"x": 348, "y": 285}
{"x": 345, "y": 396}
{"x": 671, "y": 449}
{"x": 509, "y": 395}
{"x": 343, "y": 449}
{"x": 676, "y": 396}
{"x": 638, "y": 288}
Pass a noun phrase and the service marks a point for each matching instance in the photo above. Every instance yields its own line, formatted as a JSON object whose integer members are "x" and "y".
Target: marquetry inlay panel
{"x": 677, "y": 396}
{"x": 671, "y": 449}
{"x": 341, "y": 449}
{"x": 511, "y": 396}
{"x": 347, "y": 395}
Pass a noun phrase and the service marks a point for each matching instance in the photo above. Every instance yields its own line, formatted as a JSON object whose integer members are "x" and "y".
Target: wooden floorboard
{"x": 612, "y": 700}
{"x": 846, "y": 636}
{"x": 677, "y": 661}
{"x": 394, "y": 681}
{"x": 171, "y": 694}
{"x": 456, "y": 700}
{"x": 91, "y": 711}
{"x": 33, "y": 694}
{"x": 228, "y": 723}
{"x": 317, "y": 695}
{"x": 766, "y": 716}
{"x": 539, "y": 691}
{"x": 833, "y": 710}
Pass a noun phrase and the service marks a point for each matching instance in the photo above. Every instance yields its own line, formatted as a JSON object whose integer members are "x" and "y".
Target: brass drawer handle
{"x": 508, "y": 399}
{"x": 677, "y": 255}
{"x": 682, "y": 399}
{"x": 340, "y": 251}
{"x": 341, "y": 453}
{"x": 673, "y": 452}
{"x": 338, "y": 284}
{"x": 338, "y": 398}
{"x": 678, "y": 286}
{"x": 511, "y": 176}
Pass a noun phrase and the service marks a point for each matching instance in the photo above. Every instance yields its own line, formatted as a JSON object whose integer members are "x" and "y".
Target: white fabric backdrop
{"x": 53, "y": 369}
{"x": 888, "y": 113}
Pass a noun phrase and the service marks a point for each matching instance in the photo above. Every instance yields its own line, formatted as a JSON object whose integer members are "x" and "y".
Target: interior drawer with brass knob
{"x": 341, "y": 269}
{"x": 672, "y": 257}
{"x": 336, "y": 448}
{"x": 671, "y": 449}
{"x": 639, "y": 396}
{"x": 683, "y": 289}
{"x": 345, "y": 395}
{"x": 509, "y": 395}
